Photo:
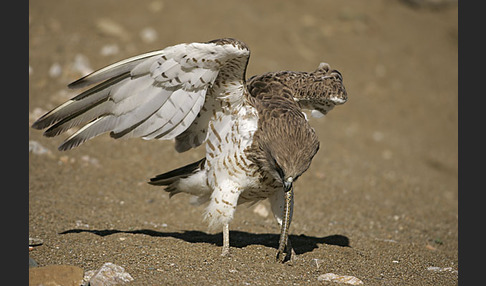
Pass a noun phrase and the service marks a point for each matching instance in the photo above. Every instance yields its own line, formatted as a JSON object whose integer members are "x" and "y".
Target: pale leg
{"x": 225, "y": 240}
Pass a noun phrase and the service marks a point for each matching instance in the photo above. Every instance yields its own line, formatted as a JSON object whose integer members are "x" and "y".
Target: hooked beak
{"x": 288, "y": 183}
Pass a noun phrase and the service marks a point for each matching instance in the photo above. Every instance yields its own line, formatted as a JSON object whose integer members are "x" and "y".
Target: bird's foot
{"x": 285, "y": 254}
{"x": 281, "y": 257}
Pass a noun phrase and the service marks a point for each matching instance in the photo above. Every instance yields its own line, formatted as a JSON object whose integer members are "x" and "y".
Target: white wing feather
{"x": 154, "y": 95}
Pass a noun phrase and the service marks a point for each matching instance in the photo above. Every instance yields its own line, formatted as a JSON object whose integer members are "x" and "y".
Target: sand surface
{"x": 379, "y": 202}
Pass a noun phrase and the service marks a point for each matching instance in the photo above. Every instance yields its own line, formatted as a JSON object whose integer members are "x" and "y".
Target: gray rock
{"x": 110, "y": 274}
{"x": 33, "y": 241}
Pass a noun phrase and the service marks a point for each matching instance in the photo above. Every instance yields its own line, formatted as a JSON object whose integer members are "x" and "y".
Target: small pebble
{"x": 55, "y": 70}
{"x": 64, "y": 159}
{"x": 111, "y": 28}
{"x": 35, "y": 241}
{"x": 148, "y": 35}
{"x": 80, "y": 223}
{"x": 81, "y": 64}
{"x": 36, "y": 148}
{"x": 316, "y": 262}
{"x": 440, "y": 269}
{"x": 109, "y": 50}
{"x": 87, "y": 160}
{"x": 345, "y": 279}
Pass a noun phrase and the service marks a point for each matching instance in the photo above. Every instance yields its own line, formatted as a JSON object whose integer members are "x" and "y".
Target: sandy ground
{"x": 380, "y": 201}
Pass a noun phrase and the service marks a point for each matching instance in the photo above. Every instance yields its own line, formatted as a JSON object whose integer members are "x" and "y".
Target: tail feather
{"x": 166, "y": 179}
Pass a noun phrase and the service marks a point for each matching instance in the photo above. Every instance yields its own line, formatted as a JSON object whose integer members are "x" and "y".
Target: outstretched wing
{"x": 318, "y": 91}
{"x": 154, "y": 95}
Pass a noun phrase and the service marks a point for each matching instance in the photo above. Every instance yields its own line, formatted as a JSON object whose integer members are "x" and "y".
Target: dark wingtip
{"x": 41, "y": 122}
{"x": 70, "y": 144}
{"x": 155, "y": 182}
{"x": 37, "y": 125}
{"x": 77, "y": 83}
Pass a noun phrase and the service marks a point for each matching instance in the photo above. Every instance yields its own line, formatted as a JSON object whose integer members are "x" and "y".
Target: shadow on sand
{"x": 301, "y": 243}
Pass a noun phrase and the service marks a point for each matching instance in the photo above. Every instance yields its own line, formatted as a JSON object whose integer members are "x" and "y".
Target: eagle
{"x": 257, "y": 137}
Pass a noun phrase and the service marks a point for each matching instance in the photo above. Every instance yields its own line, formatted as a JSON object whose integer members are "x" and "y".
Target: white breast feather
{"x": 223, "y": 203}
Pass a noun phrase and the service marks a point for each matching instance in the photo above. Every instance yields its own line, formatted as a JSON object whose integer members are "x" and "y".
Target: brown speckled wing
{"x": 319, "y": 90}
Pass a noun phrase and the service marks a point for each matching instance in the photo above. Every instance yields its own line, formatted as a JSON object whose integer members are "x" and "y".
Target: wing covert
{"x": 318, "y": 91}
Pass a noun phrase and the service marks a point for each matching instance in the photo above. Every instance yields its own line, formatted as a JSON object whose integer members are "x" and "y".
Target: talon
{"x": 281, "y": 257}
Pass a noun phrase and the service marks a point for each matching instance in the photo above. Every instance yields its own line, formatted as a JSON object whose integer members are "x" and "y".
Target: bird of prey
{"x": 257, "y": 137}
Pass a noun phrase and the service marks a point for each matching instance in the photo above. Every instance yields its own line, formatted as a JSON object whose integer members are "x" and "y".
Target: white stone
{"x": 345, "y": 279}
{"x": 109, "y": 50}
{"x": 442, "y": 269}
{"x": 316, "y": 262}
{"x": 110, "y": 274}
{"x": 36, "y": 148}
{"x": 149, "y": 35}
{"x": 55, "y": 70}
{"x": 81, "y": 64}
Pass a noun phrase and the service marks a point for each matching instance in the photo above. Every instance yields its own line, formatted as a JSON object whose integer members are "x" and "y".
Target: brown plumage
{"x": 320, "y": 90}
{"x": 284, "y": 143}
